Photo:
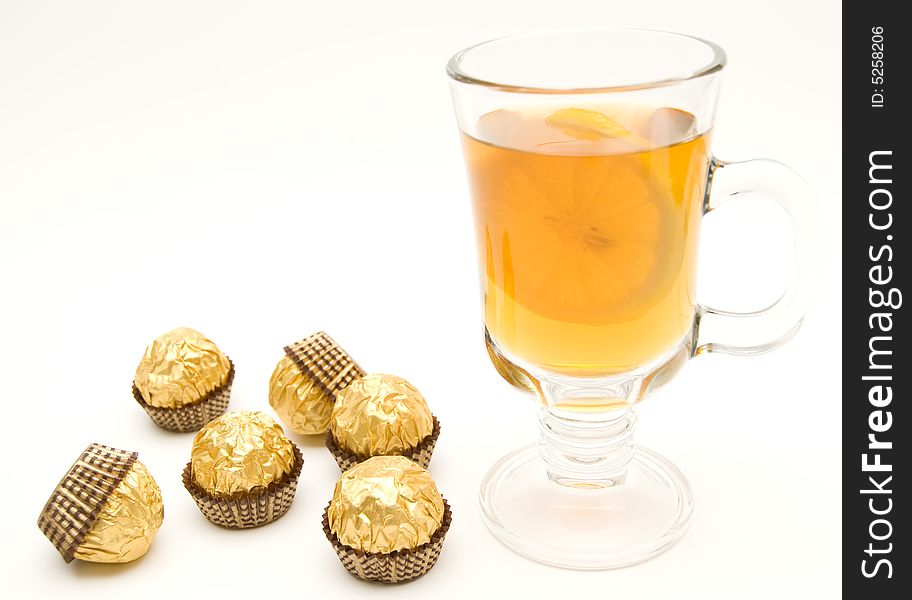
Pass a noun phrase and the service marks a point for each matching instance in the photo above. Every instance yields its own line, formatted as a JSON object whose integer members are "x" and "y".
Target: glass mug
{"x": 589, "y": 165}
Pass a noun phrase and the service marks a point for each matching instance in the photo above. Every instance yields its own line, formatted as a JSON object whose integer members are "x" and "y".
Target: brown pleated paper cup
{"x": 420, "y": 454}
{"x": 395, "y": 567}
{"x": 324, "y": 362}
{"x": 190, "y": 417}
{"x": 73, "y": 507}
{"x": 241, "y": 511}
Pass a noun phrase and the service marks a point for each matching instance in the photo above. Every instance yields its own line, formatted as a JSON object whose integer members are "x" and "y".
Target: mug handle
{"x": 757, "y": 332}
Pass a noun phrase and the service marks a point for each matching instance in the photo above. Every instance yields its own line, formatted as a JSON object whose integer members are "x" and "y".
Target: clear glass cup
{"x": 588, "y": 157}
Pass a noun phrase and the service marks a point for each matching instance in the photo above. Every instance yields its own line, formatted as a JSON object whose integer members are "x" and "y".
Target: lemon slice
{"x": 604, "y": 256}
{"x": 496, "y": 127}
{"x": 668, "y": 126}
{"x": 592, "y": 239}
{"x": 584, "y": 124}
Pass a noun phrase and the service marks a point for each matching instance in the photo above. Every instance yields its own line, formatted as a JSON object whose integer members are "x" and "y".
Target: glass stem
{"x": 587, "y": 450}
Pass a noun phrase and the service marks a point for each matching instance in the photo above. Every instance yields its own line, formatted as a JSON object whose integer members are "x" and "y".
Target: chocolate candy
{"x": 381, "y": 415}
{"x": 240, "y": 451}
{"x": 387, "y": 520}
{"x": 107, "y": 508}
{"x": 243, "y": 471}
{"x": 183, "y": 380}
{"x": 303, "y": 387}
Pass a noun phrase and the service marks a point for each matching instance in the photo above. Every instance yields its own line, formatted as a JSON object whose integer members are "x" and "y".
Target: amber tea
{"x": 587, "y": 222}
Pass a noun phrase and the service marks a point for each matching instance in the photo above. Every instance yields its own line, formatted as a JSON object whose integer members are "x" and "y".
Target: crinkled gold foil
{"x": 240, "y": 451}
{"x": 384, "y": 504}
{"x": 180, "y": 367}
{"x": 380, "y": 414}
{"x": 127, "y": 522}
{"x": 298, "y": 401}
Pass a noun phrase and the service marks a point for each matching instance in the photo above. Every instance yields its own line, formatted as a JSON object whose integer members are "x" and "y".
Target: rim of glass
{"x": 455, "y": 72}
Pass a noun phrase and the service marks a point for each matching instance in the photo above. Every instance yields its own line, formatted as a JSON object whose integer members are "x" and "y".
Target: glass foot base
{"x": 586, "y": 528}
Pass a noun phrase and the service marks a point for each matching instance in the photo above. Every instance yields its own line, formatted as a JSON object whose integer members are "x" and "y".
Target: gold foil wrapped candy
{"x": 107, "y": 508}
{"x": 386, "y": 520}
{"x": 128, "y": 521}
{"x": 381, "y": 415}
{"x": 240, "y": 451}
{"x": 243, "y": 471}
{"x": 385, "y": 504}
{"x": 303, "y": 387}
{"x": 183, "y": 380}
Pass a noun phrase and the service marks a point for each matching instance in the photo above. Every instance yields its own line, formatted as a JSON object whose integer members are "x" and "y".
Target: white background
{"x": 261, "y": 170}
